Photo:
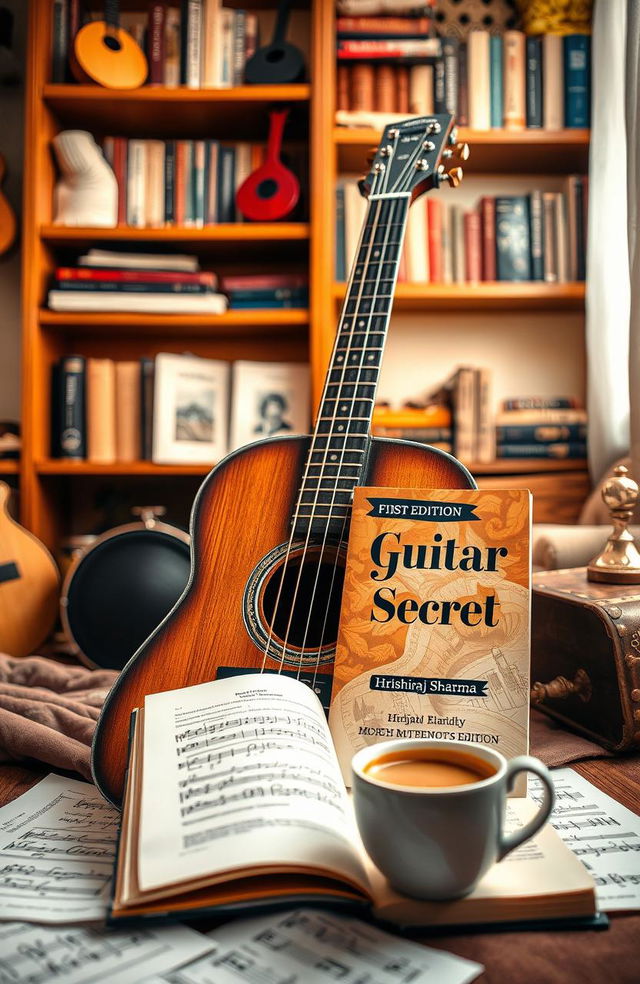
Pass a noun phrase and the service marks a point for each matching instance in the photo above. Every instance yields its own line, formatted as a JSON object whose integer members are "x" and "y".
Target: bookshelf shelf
{"x": 55, "y": 466}
{"x": 9, "y": 466}
{"x": 156, "y": 111}
{"x": 485, "y": 296}
{"x": 524, "y": 151}
{"x": 232, "y": 322}
{"x": 235, "y": 232}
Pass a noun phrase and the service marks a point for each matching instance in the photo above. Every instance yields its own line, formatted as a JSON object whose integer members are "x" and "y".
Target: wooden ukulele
{"x": 272, "y": 191}
{"x": 270, "y": 524}
{"x": 105, "y": 53}
{"x": 28, "y": 585}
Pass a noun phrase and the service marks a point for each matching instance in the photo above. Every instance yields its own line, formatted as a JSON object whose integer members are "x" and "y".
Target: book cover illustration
{"x": 434, "y": 631}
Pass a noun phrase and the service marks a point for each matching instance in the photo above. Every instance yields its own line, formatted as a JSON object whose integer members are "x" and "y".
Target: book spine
{"x": 211, "y": 213}
{"x": 480, "y": 80}
{"x": 362, "y": 87}
{"x": 472, "y": 247}
{"x": 389, "y": 48}
{"x": 562, "y": 239}
{"x": 265, "y": 281}
{"x": 579, "y": 192}
{"x": 127, "y": 398}
{"x": 193, "y": 44}
{"x": 574, "y": 449}
{"x": 147, "y": 371}
{"x": 188, "y": 184}
{"x": 464, "y": 429}
{"x": 421, "y": 90}
{"x": 542, "y": 416}
{"x": 514, "y": 80}
{"x": 119, "y": 167}
{"x": 74, "y": 25}
{"x": 402, "y": 85}
{"x": 536, "y": 235}
{"x": 446, "y": 245}
{"x": 85, "y": 273}
{"x": 101, "y": 410}
{"x": 542, "y": 434}
{"x": 552, "y": 82}
{"x": 434, "y": 233}
{"x": 169, "y": 182}
{"x": 154, "y": 184}
{"x": 457, "y": 244}
{"x": 342, "y": 88}
{"x": 439, "y": 95}
{"x": 450, "y": 49}
{"x": 269, "y": 294}
{"x": 226, "y": 184}
{"x": 179, "y": 197}
{"x": 384, "y": 89}
{"x": 136, "y": 173}
{"x": 550, "y": 249}
{"x": 341, "y": 266}
{"x": 172, "y": 46}
{"x": 278, "y": 303}
{"x": 156, "y": 38}
{"x": 488, "y": 220}
{"x": 541, "y": 403}
{"x": 513, "y": 252}
{"x": 199, "y": 178}
{"x": 59, "y": 40}
{"x": 486, "y": 449}
{"x": 534, "y": 82}
{"x": 71, "y": 439}
{"x": 412, "y": 26}
{"x": 239, "y": 35}
{"x": 127, "y": 287}
{"x": 226, "y": 47}
{"x": 416, "y": 243}
{"x": 495, "y": 84}
{"x": 576, "y": 80}
{"x": 251, "y": 34}
{"x": 463, "y": 85}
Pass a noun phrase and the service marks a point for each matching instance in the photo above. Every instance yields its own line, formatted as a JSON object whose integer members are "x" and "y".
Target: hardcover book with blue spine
{"x": 513, "y": 241}
{"x": 577, "y": 85}
{"x": 495, "y": 83}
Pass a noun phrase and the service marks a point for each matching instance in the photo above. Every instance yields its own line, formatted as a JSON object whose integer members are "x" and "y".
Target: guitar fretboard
{"x": 341, "y": 438}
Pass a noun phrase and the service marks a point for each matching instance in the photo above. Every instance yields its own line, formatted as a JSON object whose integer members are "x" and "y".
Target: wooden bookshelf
{"x": 48, "y": 486}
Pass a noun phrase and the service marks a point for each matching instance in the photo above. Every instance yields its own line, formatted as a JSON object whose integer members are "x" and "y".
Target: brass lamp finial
{"x": 619, "y": 562}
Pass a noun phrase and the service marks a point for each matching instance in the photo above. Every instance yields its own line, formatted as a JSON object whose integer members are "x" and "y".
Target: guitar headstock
{"x": 414, "y": 156}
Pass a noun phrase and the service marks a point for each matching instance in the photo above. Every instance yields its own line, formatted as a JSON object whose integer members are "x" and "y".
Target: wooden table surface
{"x": 535, "y": 957}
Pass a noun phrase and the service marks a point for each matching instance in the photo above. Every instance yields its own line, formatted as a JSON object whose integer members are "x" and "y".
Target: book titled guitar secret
{"x": 435, "y": 625}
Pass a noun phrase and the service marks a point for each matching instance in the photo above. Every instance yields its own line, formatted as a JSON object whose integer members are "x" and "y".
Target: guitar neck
{"x": 340, "y": 439}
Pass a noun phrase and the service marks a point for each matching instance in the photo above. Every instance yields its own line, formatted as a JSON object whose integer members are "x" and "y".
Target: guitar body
{"x": 28, "y": 585}
{"x": 241, "y": 516}
{"x": 108, "y": 55}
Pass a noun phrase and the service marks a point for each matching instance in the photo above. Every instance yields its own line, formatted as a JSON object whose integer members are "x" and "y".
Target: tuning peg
{"x": 454, "y": 176}
{"x": 461, "y": 151}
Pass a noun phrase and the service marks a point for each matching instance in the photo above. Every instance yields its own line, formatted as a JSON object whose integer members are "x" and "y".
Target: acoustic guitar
{"x": 270, "y": 523}
{"x": 28, "y": 585}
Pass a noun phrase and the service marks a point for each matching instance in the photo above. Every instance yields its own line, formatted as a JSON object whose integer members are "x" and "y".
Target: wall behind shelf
{"x": 11, "y": 148}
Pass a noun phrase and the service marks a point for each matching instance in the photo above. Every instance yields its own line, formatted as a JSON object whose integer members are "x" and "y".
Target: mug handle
{"x": 526, "y": 763}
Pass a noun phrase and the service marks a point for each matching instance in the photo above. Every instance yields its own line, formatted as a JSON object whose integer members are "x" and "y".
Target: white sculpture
{"x": 87, "y": 192}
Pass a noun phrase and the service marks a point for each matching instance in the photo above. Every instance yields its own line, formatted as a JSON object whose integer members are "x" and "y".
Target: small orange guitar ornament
{"x": 266, "y": 583}
{"x": 272, "y": 191}
{"x": 7, "y": 218}
{"x": 105, "y": 53}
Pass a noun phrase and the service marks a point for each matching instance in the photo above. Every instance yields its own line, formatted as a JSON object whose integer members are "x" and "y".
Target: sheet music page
{"x": 309, "y": 947}
{"x": 57, "y": 846}
{"x": 38, "y": 955}
{"x": 241, "y": 773}
{"x": 602, "y": 833}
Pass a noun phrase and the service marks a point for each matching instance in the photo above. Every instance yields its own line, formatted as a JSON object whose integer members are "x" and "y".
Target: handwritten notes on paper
{"x": 257, "y": 780}
{"x": 42, "y": 955}
{"x": 602, "y": 833}
{"x": 57, "y": 845}
{"x": 307, "y": 947}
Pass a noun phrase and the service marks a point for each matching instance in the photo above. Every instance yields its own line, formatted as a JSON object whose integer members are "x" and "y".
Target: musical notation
{"x": 307, "y": 947}
{"x": 602, "y": 833}
{"x": 42, "y": 955}
{"x": 57, "y": 847}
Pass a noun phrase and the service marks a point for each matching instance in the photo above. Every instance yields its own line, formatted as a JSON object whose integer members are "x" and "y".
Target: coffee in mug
{"x": 431, "y": 814}
{"x": 435, "y": 768}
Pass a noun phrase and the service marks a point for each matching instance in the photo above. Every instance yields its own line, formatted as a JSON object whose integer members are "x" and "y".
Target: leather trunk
{"x": 585, "y": 655}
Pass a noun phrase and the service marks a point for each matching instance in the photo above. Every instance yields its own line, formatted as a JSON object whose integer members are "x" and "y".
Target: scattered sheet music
{"x": 602, "y": 833}
{"x": 57, "y": 846}
{"x": 308, "y": 947}
{"x": 42, "y": 955}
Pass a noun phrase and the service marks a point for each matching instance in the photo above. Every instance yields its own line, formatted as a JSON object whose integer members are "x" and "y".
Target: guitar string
{"x": 327, "y": 437}
{"x": 395, "y": 208}
{"x": 298, "y": 505}
{"x": 406, "y": 199}
{"x": 354, "y": 321}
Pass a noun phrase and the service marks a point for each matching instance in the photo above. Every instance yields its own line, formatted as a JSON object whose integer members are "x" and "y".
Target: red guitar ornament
{"x": 273, "y": 190}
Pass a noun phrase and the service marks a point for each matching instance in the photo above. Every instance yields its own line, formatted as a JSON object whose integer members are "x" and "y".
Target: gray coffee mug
{"x": 436, "y": 843}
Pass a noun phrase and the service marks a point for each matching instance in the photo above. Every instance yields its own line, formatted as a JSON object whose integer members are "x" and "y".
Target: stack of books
{"x": 270, "y": 290}
{"x": 540, "y": 236}
{"x": 172, "y": 409}
{"x": 199, "y": 44}
{"x": 128, "y": 282}
{"x": 486, "y": 81}
{"x": 429, "y": 425}
{"x": 541, "y": 427}
{"x": 190, "y": 183}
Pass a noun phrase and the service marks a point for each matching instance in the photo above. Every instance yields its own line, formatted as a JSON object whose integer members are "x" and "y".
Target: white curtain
{"x": 608, "y": 293}
{"x": 633, "y": 218}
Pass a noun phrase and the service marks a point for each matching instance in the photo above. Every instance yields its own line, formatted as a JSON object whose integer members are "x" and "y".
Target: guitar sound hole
{"x": 314, "y": 608}
{"x": 267, "y": 188}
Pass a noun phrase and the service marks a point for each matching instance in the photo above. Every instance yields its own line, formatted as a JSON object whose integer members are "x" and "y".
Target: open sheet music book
{"x": 235, "y": 803}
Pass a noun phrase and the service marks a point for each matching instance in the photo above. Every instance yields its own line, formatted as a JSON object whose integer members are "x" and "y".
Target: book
{"x": 463, "y": 85}
{"x": 128, "y": 411}
{"x": 371, "y": 48}
{"x": 147, "y": 371}
{"x": 480, "y": 80}
{"x": 131, "y": 287}
{"x": 421, "y": 90}
{"x": 561, "y": 237}
{"x": 274, "y": 826}
{"x": 513, "y": 250}
{"x": 191, "y": 26}
{"x": 226, "y": 204}
{"x": 402, "y": 89}
{"x": 438, "y": 86}
{"x": 577, "y": 87}
{"x": 534, "y": 109}
{"x": 385, "y": 26}
{"x": 488, "y": 237}
{"x": 542, "y": 415}
{"x": 139, "y": 261}
{"x": 577, "y": 449}
{"x": 550, "y": 242}
{"x": 541, "y": 434}
{"x": 485, "y": 419}
{"x": 434, "y": 625}
{"x": 211, "y": 53}
{"x": 514, "y": 80}
{"x": 190, "y": 409}
{"x": 552, "y": 82}
{"x": 172, "y": 49}
{"x": 154, "y": 195}
{"x": 269, "y": 398}
{"x": 536, "y": 235}
{"x": 450, "y": 52}
{"x": 149, "y": 302}
{"x": 69, "y": 431}
{"x": 136, "y": 182}
{"x": 541, "y": 403}
{"x": 59, "y": 40}
{"x": 416, "y": 245}
{"x": 136, "y": 276}
{"x": 462, "y": 387}
{"x": 435, "y": 210}
{"x": 496, "y": 57}
{"x": 473, "y": 247}
{"x": 101, "y": 410}
{"x": 155, "y": 43}
{"x": 263, "y": 281}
